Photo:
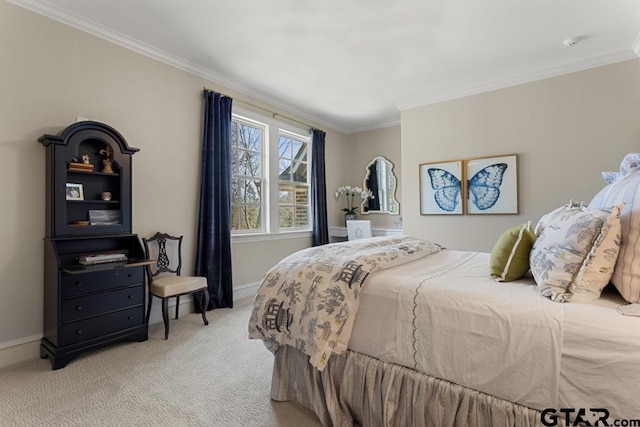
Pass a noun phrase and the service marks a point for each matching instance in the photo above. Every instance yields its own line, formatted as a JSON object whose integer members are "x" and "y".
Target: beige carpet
{"x": 202, "y": 376}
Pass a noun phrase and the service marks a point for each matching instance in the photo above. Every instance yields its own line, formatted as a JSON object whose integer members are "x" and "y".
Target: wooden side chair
{"x": 165, "y": 281}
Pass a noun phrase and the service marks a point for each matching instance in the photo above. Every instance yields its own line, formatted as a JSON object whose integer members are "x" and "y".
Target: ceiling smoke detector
{"x": 571, "y": 41}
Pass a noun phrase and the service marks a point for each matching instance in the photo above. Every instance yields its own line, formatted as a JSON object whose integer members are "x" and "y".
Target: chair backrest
{"x": 359, "y": 229}
{"x": 166, "y": 250}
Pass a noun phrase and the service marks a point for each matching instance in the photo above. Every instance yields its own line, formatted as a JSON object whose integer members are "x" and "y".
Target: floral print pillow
{"x": 574, "y": 256}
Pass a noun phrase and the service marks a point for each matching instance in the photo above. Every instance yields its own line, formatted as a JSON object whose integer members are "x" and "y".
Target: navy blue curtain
{"x": 372, "y": 184}
{"x": 213, "y": 257}
{"x": 318, "y": 189}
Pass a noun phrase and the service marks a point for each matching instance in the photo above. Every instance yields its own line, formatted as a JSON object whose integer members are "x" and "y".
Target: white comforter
{"x": 444, "y": 316}
{"x": 309, "y": 299}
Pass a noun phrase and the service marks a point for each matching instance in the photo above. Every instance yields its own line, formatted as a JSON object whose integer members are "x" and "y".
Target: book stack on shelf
{"x": 82, "y": 167}
{"x": 104, "y": 217}
{"x": 101, "y": 258}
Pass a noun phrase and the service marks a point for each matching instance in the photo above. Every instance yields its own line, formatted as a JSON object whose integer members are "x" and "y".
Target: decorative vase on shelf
{"x": 350, "y": 216}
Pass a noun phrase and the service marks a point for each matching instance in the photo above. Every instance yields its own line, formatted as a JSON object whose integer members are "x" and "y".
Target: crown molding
{"x": 43, "y": 8}
{"x": 100, "y": 31}
{"x": 526, "y": 78}
{"x": 375, "y": 127}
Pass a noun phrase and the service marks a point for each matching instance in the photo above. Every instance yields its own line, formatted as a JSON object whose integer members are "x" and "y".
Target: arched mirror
{"x": 379, "y": 178}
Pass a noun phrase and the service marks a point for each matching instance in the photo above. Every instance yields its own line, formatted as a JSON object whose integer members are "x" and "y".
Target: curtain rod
{"x": 273, "y": 114}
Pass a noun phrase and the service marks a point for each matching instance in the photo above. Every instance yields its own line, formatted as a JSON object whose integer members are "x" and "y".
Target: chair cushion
{"x": 168, "y": 286}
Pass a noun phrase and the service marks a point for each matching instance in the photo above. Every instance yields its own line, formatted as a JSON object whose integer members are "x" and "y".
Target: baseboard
{"x": 245, "y": 291}
{"x": 15, "y": 351}
{"x": 28, "y": 348}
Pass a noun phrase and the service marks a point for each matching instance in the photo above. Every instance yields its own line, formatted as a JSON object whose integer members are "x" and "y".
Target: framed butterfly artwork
{"x": 491, "y": 185}
{"x": 441, "y": 188}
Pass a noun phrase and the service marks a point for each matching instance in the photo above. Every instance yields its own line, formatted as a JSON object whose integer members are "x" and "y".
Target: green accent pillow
{"x": 510, "y": 255}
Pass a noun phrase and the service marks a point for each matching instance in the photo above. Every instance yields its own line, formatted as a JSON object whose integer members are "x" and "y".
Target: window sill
{"x": 263, "y": 237}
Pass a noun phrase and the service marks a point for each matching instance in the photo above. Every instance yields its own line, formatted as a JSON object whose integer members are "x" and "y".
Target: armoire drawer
{"x": 78, "y": 284}
{"x": 94, "y": 327}
{"x": 94, "y": 304}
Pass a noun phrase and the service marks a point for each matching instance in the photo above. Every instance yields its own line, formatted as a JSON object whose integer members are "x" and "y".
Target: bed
{"x": 433, "y": 339}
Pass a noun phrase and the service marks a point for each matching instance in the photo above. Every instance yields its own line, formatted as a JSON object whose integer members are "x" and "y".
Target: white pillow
{"x": 626, "y": 189}
{"x": 611, "y": 177}
{"x": 574, "y": 256}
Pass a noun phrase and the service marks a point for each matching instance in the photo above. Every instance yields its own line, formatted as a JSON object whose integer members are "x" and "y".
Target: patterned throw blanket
{"x": 309, "y": 300}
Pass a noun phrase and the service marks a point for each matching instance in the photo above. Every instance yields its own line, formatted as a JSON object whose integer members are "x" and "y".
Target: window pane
{"x": 284, "y": 146}
{"x": 234, "y": 162}
{"x": 235, "y": 217}
{"x": 246, "y": 191}
{"x": 235, "y": 191}
{"x": 300, "y": 151}
{"x": 302, "y": 216}
{"x": 250, "y": 217}
{"x": 285, "y": 216}
{"x": 299, "y": 172}
{"x": 302, "y": 195}
{"x": 286, "y": 194}
{"x": 250, "y": 137}
{"x": 234, "y": 132}
{"x": 250, "y": 191}
{"x": 248, "y": 163}
{"x": 284, "y": 170}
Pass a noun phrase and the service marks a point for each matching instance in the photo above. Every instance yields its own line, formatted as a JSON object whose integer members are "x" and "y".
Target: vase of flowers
{"x": 350, "y": 193}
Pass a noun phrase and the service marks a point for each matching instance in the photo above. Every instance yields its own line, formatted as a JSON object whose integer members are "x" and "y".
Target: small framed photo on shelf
{"x": 74, "y": 191}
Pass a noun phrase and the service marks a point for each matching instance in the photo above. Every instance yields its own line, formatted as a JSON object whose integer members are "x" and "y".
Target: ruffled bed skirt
{"x": 356, "y": 389}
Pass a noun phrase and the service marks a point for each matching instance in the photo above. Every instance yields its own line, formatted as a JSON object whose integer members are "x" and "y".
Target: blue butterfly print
{"x": 484, "y": 186}
{"x": 447, "y": 188}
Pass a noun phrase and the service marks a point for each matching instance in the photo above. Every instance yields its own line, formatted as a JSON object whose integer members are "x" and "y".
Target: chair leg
{"x": 177, "y": 305}
{"x": 165, "y": 316}
{"x": 150, "y": 297}
{"x": 205, "y": 305}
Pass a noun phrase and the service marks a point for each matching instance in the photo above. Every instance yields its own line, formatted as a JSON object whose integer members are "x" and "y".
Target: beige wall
{"x": 49, "y": 75}
{"x": 363, "y": 147}
{"x": 565, "y": 130}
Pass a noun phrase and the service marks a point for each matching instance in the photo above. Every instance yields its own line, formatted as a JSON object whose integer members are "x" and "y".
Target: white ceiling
{"x": 354, "y": 64}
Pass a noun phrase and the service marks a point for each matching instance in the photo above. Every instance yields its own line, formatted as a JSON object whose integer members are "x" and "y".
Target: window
{"x": 247, "y": 182}
{"x": 270, "y": 182}
{"x": 293, "y": 181}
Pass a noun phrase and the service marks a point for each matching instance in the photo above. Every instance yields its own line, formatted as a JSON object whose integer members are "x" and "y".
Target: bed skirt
{"x": 356, "y": 389}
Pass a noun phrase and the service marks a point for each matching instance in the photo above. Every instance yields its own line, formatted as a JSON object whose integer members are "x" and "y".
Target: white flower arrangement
{"x": 350, "y": 193}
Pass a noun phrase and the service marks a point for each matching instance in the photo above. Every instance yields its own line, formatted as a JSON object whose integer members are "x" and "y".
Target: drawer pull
{"x": 130, "y": 296}
{"x": 78, "y": 308}
{"x": 129, "y": 275}
{"x": 79, "y": 332}
{"x": 78, "y": 284}
{"x": 130, "y": 317}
